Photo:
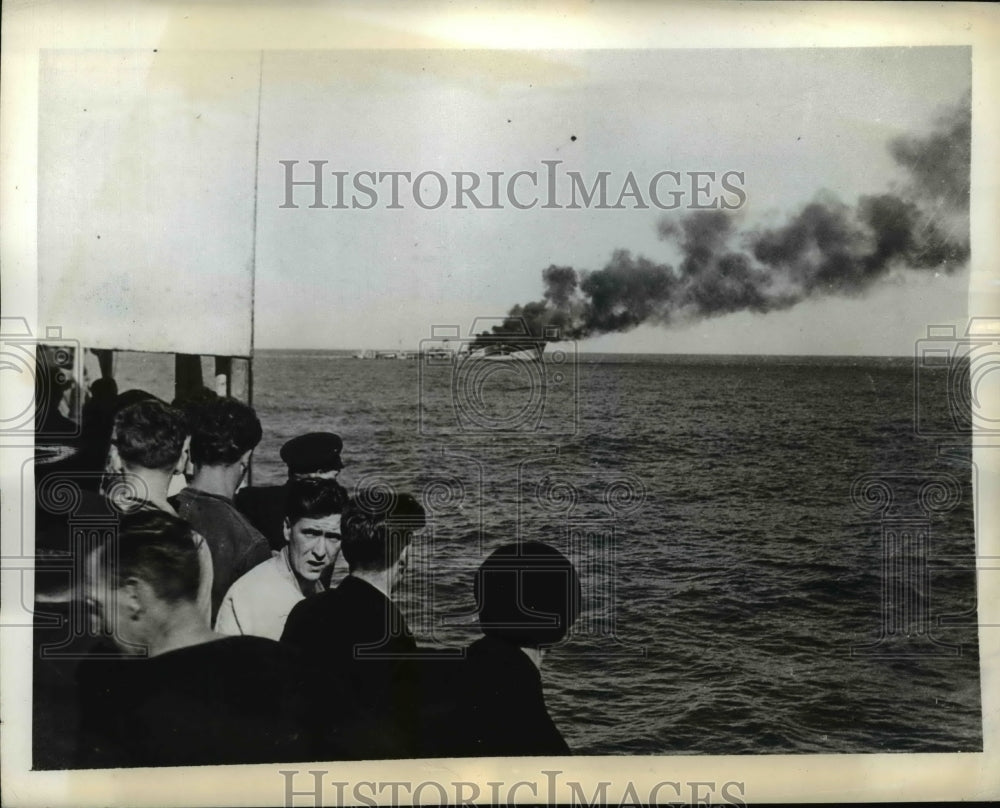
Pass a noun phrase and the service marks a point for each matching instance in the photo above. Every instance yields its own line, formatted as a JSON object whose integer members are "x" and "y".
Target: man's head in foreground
{"x": 141, "y": 585}
{"x": 149, "y": 446}
{"x": 377, "y": 529}
{"x": 528, "y": 594}
{"x": 147, "y": 435}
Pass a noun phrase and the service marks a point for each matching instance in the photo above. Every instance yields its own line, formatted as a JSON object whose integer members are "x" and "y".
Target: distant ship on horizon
{"x": 504, "y": 351}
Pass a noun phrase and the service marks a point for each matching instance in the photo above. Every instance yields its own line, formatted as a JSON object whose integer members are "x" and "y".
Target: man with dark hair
{"x": 357, "y": 630}
{"x": 527, "y": 596}
{"x": 142, "y": 444}
{"x": 149, "y": 436}
{"x": 259, "y": 603}
{"x": 149, "y": 447}
{"x": 183, "y": 695}
{"x": 223, "y": 437}
{"x": 226, "y": 431}
{"x": 151, "y": 561}
{"x": 313, "y": 456}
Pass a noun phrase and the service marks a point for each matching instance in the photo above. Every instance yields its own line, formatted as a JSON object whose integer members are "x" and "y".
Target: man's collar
{"x": 200, "y": 492}
{"x": 378, "y": 582}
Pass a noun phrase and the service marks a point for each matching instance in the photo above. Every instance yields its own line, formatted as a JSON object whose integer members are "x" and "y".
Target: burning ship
{"x": 505, "y": 351}
{"x": 509, "y": 341}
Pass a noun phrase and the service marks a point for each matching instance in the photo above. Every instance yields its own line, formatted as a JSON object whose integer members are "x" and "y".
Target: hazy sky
{"x": 795, "y": 121}
{"x": 147, "y": 185}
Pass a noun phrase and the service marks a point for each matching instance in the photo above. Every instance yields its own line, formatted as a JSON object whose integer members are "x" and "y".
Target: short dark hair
{"x": 527, "y": 593}
{"x": 150, "y": 434}
{"x": 222, "y": 431}
{"x": 133, "y": 396}
{"x": 376, "y": 528}
{"x": 157, "y": 548}
{"x": 194, "y": 398}
{"x": 313, "y": 499}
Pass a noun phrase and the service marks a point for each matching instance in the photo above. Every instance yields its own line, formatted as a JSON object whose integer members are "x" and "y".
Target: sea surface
{"x": 738, "y": 598}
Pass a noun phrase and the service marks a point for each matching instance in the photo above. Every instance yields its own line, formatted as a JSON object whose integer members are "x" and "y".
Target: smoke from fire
{"x": 826, "y": 248}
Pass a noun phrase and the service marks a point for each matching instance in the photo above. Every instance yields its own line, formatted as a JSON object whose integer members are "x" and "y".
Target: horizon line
{"x": 610, "y": 353}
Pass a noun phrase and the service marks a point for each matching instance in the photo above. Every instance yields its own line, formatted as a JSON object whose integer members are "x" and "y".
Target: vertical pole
{"x": 187, "y": 375}
{"x": 253, "y": 248}
{"x": 76, "y": 392}
{"x": 106, "y": 362}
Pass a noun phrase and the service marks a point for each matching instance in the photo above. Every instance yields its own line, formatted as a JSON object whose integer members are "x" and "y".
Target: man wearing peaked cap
{"x": 315, "y": 455}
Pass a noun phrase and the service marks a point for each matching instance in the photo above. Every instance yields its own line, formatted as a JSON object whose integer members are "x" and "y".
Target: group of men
{"x": 257, "y": 624}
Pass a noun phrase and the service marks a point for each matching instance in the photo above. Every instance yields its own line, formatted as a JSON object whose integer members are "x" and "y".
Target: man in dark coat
{"x": 356, "y": 631}
{"x": 180, "y": 694}
{"x": 315, "y": 455}
{"x": 527, "y": 596}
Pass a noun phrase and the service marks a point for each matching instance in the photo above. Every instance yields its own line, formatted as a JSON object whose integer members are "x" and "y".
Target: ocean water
{"x": 737, "y": 598}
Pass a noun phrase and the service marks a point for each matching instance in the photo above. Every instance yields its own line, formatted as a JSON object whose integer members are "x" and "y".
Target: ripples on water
{"x": 742, "y": 577}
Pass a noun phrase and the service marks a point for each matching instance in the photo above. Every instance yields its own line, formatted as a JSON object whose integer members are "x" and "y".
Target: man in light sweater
{"x": 260, "y": 601}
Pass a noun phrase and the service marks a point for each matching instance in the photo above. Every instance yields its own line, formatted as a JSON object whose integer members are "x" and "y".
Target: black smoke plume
{"x": 826, "y": 248}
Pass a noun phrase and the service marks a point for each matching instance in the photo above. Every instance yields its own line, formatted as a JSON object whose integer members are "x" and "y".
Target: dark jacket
{"x": 357, "y": 634}
{"x": 490, "y": 705}
{"x": 237, "y": 546}
{"x": 233, "y": 700}
{"x": 264, "y": 506}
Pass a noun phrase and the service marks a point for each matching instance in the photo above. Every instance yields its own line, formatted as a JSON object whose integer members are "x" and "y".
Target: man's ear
{"x": 184, "y": 465}
{"x": 133, "y": 596}
{"x": 113, "y": 463}
{"x": 286, "y": 529}
{"x": 399, "y": 568}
